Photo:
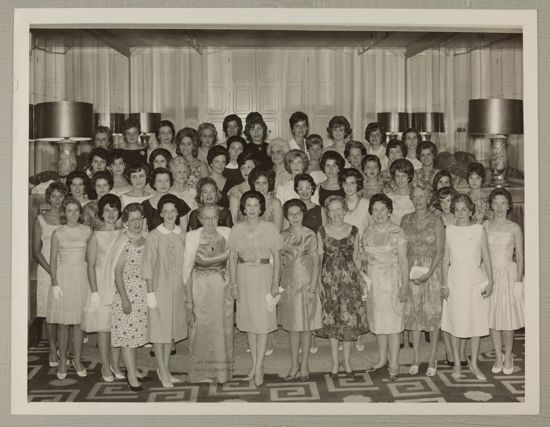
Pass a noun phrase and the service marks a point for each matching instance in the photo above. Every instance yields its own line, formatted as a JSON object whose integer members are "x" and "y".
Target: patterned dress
{"x": 343, "y": 312}
{"x": 423, "y": 308}
{"x": 130, "y": 330}
{"x": 483, "y": 211}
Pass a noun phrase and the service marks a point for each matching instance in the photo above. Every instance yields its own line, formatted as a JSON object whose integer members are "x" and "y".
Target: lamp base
{"x": 67, "y": 157}
{"x": 498, "y": 160}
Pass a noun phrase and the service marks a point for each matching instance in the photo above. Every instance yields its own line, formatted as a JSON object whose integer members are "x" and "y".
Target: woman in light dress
{"x": 69, "y": 279}
{"x": 300, "y": 306}
{"x": 97, "y": 312}
{"x": 506, "y": 303}
{"x": 102, "y": 183}
{"x": 254, "y": 277}
{"x": 263, "y": 181}
{"x": 187, "y": 146}
{"x": 44, "y": 226}
{"x": 466, "y": 284}
{"x": 182, "y": 188}
{"x": 246, "y": 161}
{"x": 136, "y": 174}
{"x": 402, "y": 173}
{"x": 117, "y": 165}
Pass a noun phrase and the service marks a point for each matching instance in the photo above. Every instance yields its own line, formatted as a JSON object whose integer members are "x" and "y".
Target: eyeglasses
{"x": 304, "y": 188}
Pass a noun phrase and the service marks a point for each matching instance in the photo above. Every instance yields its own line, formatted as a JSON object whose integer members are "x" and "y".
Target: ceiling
{"x": 414, "y": 42}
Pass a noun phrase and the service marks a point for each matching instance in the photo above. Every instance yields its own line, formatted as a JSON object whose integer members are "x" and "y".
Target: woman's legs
{"x": 382, "y": 342}
{"x": 261, "y": 344}
{"x": 51, "y": 329}
{"x": 474, "y": 346}
{"x": 77, "y": 347}
{"x": 294, "y": 339}
{"x": 305, "y": 343}
{"x": 434, "y": 340}
{"x": 393, "y": 340}
{"x": 448, "y": 346}
{"x": 129, "y": 359}
{"x": 115, "y": 359}
{"x": 62, "y": 342}
{"x": 347, "y": 357}
{"x": 167, "y": 351}
{"x": 334, "y": 353}
{"x": 508, "y": 338}
{"x": 496, "y": 338}
{"x": 416, "y": 346}
{"x": 104, "y": 344}
{"x": 252, "y": 345}
{"x": 159, "y": 349}
{"x": 455, "y": 343}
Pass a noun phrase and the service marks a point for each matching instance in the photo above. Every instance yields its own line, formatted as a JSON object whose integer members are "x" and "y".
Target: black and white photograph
{"x": 282, "y": 206}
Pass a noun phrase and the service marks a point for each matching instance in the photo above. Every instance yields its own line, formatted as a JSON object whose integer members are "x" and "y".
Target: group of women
{"x": 327, "y": 239}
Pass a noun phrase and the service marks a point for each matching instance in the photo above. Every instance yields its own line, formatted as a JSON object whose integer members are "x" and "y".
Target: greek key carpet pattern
{"x": 43, "y": 385}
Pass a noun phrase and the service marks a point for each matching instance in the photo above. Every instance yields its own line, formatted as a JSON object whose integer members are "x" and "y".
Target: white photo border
{"x": 328, "y": 19}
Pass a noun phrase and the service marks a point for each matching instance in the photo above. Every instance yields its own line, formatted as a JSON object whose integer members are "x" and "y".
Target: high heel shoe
{"x": 413, "y": 370}
{"x": 290, "y": 377}
{"x": 53, "y": 364}
{"x": 82, "y": 373}
{"x": 374, "y": 369}
{"x": 108, "y": 378}
{"x": 173, "y": 379}
{"x": 430, "y": 372}
{"x": 135, "y": 389}
{"x": 477, "y": 373}
{"x": 164, "y": 384}
{"x": 496, "y": 368}
{"x": 508, "y": 371}
{"x": 61, "y": 375}
{"x": 118, "y": 375}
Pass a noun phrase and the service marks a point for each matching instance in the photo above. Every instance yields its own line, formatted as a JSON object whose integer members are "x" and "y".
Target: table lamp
{"x": 393, "y": 123}
{"x": 149, "y": 123}
{"x": 428, "y": 123}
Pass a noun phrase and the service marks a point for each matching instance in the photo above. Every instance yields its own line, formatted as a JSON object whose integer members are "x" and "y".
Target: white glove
{"x": 57, "y": 292}
{"x": 95, "y": 301}
{"x": 151, "y": 300}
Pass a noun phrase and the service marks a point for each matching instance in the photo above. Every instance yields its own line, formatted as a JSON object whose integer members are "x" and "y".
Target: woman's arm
{"x": 91, "y": 259}
{"x": 356, "y": 259}
{"x": 37, "y": 246}
{"x": 119, "y": 283}
{"x": 233, "y": 257}
{"x": 204, "y": 169}
{"x": 234, "y": 208}
{"x": 404, "y": 266}
{"x": 183, "y": 222}
{"x": 486, "y": 257}
{"x": 276, "y": 271}
{"x": 278, "y": 214}
{"x": 445, "y": 270}
{"x": 518, "y": 237}
{"x": 53, "y": 258}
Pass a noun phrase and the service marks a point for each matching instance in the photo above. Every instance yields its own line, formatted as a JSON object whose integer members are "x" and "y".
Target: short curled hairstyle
{"x": 232, "y": 118}
{"x": 296, "y": 117}
{"x": 56, "y": 186}
{"x": 164, "y": 123}
{"x": 354, "y": 144}
{"x": 381, "y": 197}
{"x": 192, "y": 135}
{"x": 134, "y": 168}
{"x": 337, "y": 121}
{"x": 314, "y": 139}
{"x": 351, "y": 172}
{"x": 426, "y": 145}
{"x": 294, "y": 154}
{"x": 245, "y": 156}
{"x": 129, "y": 208}
{"x": 424, "y": 186}
{"x": 396, "y": 143}
{"x": 66, "y": 202}
{"x": 403, "y": 166}
{"x": 501, "y": 192}
{"x": 115, "y": 154}
{"x": 129, "y": 124}
{"x": 294, "y": 202}
{"x": 252, "y": 194}
{"x": 159, "y": 152}
{"x": 108, "y": 131}
{"x": 373, "y": 126}
{"x": 442, "y": 173}
{"x": 206, "y": 180}
{"x": 258, "y": 172}
{"x": 100, "y": 152}
{"x": 413, "y": 130}
{"x": 278, "y": 142}
{"x": 464, "y": 198}
{"x": 170, "y": 198}
{"x": 476, "y": 168}
{"x": 253, "y": 120}
{"x": 335, "y": 198}
{"x": 110, "y": 200}
{"x": 332, "y": 155}
{"x": 160, "y": 171}
{"x": 88, "y": 189}
{"x": 371, "y": 158}
{"x": 206, "y": 126}
{"x": 233, "y": 140}
{"x": 215, "y": 151}
{"x": 304, "y": 177}
{"x": 103, "y": 175}
{"x": 442, "y": 194}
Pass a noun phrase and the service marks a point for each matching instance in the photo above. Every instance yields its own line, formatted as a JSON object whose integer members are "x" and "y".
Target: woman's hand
{"x": 422, "y": 279}
{"x": 487, "y": 291}
{"x": 152, "y": 300}
{"x": 57, "y": 292}
{"x": 191, "y": 310}
{"x": 444, "y": 292}
{"x": 403, "y": 293}
{"x": 235, "y": 292}
{"x": 95, "y": 301}
{"x": 126, "y": 306}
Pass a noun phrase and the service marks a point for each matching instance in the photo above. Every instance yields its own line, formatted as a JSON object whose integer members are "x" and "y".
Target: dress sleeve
{"x": 150, "y": 254}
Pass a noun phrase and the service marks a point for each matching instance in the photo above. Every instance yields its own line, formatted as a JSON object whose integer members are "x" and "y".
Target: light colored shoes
{"x": 413, "y": 370}
{"x": 477, "y": 373}
{"x": 118, "y": 375}
{"x": 508, "y": 371}
{"x": 268, "y": 352}
{"x": 498, "y": 368}
{"x": 165, "y": 385}
{"x": 430, "y": 372}
{"x": 313, "y": 350}
{"x": 82, "y": 373}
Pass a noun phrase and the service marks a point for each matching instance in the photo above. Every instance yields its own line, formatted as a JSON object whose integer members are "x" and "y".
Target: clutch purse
{"x": 417, "y": 271}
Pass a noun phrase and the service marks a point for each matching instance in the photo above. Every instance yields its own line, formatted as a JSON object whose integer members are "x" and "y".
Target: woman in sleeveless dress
{"x": 506, "y": 303}
{"x": 343, "y": 311}
{"x": 44, "y": 226}
{"x": 263, "y": 181}
{"x": 468, "y": 285}
{"x": 205, "y": 275}
{"x": 331, "y": 164}
{"x": 67, "y": 295}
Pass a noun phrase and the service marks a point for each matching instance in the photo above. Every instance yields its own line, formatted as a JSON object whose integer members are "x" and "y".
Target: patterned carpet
{"x": 44, "y": 386}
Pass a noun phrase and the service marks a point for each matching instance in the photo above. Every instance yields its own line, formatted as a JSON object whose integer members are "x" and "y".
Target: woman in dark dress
{"x": 217, "y": 158}
{"x": 331, "y": 164}
{"x": 208, "y": 194}
{"x": 305, "y": 186}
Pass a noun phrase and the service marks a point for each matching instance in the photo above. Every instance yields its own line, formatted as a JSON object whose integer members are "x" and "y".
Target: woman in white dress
{"x": 136, "y": 174}
{"x": 466, "y": 285}
{"x": 506, "y": 303}
{"x": 402, "y": 172}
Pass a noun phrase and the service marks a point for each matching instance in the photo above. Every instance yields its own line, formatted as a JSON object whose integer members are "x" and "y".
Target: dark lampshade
{"x": 428, "y": 122}
{"x": 149, "y": 122}
{"x": 114, "y": 121}
{"x": 496, "y": 116}
{"x": 55, "y": 121}
{"x": 393, "y": 122}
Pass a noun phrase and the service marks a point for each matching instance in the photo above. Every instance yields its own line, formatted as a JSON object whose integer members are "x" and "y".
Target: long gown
{"x": 506, "y": 303}
{"x": 43, "y": 280}
{"x": 100, "y": 320}
{"x": 211, "y": 336}
{"x": 299, "y": 309}
{"x": 381, "y": 250}
{"x": 254, "y": 279}
{"x": 130, "y": 330}
{"x": 343, "y": 312}
{"x": 465, "y": 311}
{"x": 72, "y": 276}
{"x": 163, "y": 265}
{"x": 424, "y": 305}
